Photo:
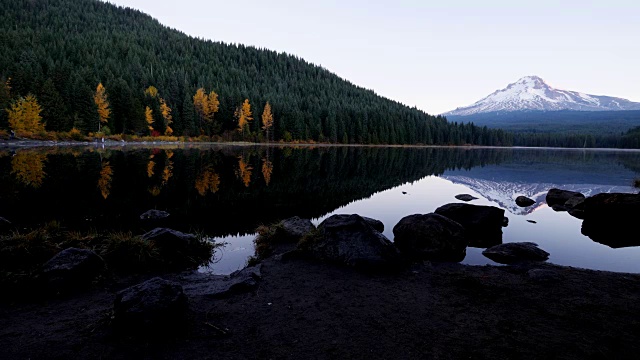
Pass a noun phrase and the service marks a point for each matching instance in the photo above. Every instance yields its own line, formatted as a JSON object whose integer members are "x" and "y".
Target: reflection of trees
{"x": 309, "y": 183}
{"x": 244, "y": 171}
{"x": 166, "y": 172}
{"x": 208, "y": 180}
{"x": 267, "y": 170}
{"x": 104, "y": 182}
{"x": 29, "y": 168}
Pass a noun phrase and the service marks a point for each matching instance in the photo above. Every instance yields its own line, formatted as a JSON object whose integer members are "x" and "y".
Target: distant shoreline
{"x": 26, "y": 144}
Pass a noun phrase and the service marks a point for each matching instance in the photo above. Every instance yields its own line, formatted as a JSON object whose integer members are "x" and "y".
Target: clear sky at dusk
{"x": 436, "y": 55}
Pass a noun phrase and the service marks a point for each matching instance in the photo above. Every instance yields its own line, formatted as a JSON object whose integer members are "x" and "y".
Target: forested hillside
{"x": 60, "y": 50}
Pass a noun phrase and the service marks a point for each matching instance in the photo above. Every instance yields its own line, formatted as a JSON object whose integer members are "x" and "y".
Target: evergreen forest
{"x": 93, "y": 66}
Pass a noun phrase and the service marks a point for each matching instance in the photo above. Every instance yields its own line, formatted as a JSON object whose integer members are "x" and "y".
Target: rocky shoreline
{"x": 343, "y": 290}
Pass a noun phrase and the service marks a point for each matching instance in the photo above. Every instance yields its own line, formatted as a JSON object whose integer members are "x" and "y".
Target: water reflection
{"x": 228, "y": 191}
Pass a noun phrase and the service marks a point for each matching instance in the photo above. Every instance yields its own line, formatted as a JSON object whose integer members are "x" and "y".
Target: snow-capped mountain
{"x": 532, "y": 93}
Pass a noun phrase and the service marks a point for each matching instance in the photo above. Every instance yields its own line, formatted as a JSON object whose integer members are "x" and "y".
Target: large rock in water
{"x": 430, "y": 237}
{"x": 563, "y": 200}
{"x": 482, "y": 224}
{"x": 524, "y": 201}
{"x": 610, "y": 219}
{"x": 352, "y": 241}
{"x": 511, "y": 253}
{"x": 153, "y": 305}
{"x": 71, "y": 269}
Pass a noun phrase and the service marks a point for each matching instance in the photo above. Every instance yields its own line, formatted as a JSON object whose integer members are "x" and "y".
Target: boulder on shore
{"x": 430, "y": 237}
{"x": 524, "y": 201}
{"x": 482, "y": 224}
{"x": 151, "y": 306}
{"x": 71, "y": 269}
{"x": 170, "y": 240}
{"x": 351, "y": 240}
{"x": 511, "y": 253}
{"x": 563, "y": 200}
{"x": 610, "y": 219}
{"x": 294, "y": 228}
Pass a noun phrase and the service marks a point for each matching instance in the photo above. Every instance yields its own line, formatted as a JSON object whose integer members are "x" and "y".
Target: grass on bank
{"x": 22, "y": 253}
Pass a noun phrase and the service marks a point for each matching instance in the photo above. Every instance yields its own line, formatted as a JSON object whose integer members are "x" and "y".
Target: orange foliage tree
{"x": 24, "y": 115}
{"x": 206, "y": 106}
{"x": 100, "y": 98}
{"x": 267, "y": 119}
{"x": 243, "y": 116}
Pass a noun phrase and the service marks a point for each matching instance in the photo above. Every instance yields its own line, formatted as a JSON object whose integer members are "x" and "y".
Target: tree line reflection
{"x": 222, "y": 190}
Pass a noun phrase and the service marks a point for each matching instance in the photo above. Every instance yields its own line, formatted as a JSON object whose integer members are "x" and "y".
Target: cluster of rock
{"x": 608, "y": 218}
{"x": 443, "y": 235}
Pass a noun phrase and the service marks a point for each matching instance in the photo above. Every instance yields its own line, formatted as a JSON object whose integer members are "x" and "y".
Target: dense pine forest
{"x": 63, "y": 51}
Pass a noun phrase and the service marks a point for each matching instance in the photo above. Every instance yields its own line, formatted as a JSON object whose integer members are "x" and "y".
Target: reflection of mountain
{"x": 501, "y": 184}
{"x": 230, "y": 190}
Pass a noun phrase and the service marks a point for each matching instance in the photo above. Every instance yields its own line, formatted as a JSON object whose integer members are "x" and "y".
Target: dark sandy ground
{"x": 304, "y": 310}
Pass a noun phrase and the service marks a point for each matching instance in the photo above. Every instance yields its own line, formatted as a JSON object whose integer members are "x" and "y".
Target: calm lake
{"x": 225, "y": 192}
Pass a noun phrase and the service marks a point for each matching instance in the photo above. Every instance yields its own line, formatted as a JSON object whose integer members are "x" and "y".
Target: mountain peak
{"x": 533, "y": 93}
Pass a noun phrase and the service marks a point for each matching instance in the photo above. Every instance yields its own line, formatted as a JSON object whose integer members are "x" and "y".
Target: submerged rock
{"x": 430, "y": 237}
{"x": 154, "y": 215}
{"x": 466, "y": 197}
{"x": 352, "y": 241}
{"x": 72, "y": 268}
{"x": 511, "y": 253}
{"x": 610, "y": 219}
{"x": 482, "y": 224}
{"x": 153, "y": 305}
{"x": 524, "y": 201}
{"x": 563, "y": 200}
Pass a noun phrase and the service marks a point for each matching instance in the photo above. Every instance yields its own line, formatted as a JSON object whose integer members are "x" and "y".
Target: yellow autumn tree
{"x": 206, "y": 105}
{"x": 100, "y": 98}
{"x": 166, "y": 114}
{"x": 24, "y": 115}
{"x": 28, "y": 168}
{"x": 104, "y": 182}
{"x": 148, "y": 116}
{"x": 267, "y": 119}
{"x": 151, "y": 91}
{"x": 243, "y": 116}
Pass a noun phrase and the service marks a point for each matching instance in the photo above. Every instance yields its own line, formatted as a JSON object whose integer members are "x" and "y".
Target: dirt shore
{"x": 305, "y": 310}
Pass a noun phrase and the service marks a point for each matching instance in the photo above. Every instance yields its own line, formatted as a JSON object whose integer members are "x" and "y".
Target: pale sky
{"x": 436, "y": 55}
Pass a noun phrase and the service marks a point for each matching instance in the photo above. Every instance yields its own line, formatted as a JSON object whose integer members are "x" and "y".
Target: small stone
{"x": 154, "y": 215}
{"x": 466, "y": 197}
{"x": 511, "y": 253}
{"x": 524, "y": 201}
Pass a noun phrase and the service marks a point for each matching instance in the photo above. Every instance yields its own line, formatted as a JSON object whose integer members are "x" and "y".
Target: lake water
{"x": 225, "y": 192}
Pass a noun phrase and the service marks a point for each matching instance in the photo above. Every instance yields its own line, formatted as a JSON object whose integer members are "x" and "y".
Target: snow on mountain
{"x": 532, "y": 93}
